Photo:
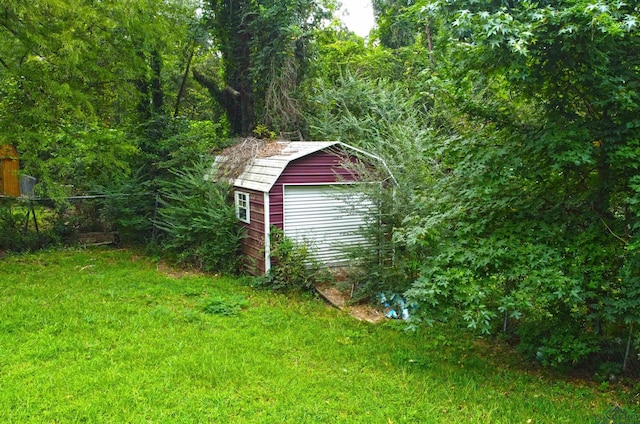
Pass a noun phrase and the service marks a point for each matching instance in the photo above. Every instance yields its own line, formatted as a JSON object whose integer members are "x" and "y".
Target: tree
{"x": 76, "y": 77}
{"x": 263, "y": 46}
{"x": 535, "y": 217}
{"x": 397, "y": 23}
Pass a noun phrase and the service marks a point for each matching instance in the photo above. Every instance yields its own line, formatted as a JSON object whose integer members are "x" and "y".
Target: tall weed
{"x": 197, "y": 222}
{"x": 389, "y": 120}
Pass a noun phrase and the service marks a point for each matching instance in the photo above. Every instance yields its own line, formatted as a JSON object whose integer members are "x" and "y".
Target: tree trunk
{"x": 230, "y": 99}
{"x": 157, "y": 94}
{"x": 232, "y": 29}
{"x": 430, "y": 46}
{"x": 183, "y": 83}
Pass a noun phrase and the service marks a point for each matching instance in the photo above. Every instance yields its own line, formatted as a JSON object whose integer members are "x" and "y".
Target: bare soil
{"x": 342, "y": 300}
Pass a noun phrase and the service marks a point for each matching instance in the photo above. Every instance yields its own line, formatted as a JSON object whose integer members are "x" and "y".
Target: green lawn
{"x": 106, "y": 336}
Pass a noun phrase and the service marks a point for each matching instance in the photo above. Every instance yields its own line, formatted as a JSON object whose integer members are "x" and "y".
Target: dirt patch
{"x": 341, "y": 299}
{"x": 175, "y": 272}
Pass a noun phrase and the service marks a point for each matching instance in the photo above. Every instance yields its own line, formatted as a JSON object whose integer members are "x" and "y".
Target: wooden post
{"x": 9, "y": 169}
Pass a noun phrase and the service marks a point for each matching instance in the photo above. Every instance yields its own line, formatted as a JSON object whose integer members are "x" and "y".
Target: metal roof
{"x": 263, "y": 172}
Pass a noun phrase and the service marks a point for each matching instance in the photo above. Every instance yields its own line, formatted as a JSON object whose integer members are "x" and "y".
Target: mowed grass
{"x": 108, "y": 336}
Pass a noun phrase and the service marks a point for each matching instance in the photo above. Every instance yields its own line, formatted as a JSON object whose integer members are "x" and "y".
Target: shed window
{"x": 242, "y": 206}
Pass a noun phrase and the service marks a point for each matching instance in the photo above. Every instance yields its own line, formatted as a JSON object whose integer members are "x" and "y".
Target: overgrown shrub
{"x": 129, "y": 205}
{"x": 556, "y": 343}
{"x": 18, "y": 235}
{"x": 388, "y": 119}
{"x": 166, "y": 144}
{"x": 381, "y": 264}
{"x": 11, "y": 236}
{"x": 197, "y": 223}
{"x": 292, "y": 265}
{"x": 173, "y": 143}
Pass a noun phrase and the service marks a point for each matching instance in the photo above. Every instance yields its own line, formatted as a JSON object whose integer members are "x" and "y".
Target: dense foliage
{"x": 76, "y": 79}
{"x": 511, "y": 128}
{"x": 265, "y": 50}
{"x": 516, "y": 151}
{"x": 197, "y": 223}
{"x": 536, "y": 218}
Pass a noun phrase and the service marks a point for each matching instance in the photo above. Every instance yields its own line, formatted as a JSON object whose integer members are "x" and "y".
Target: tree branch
{"x": 183, "y": 84}
{"x": 430, "y": 45}
{"x": 625, "y": 242}
{"x": 211, "y": 86}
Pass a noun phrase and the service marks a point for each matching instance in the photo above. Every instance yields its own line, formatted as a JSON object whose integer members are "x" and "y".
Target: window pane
{"x": 242, "y": 206}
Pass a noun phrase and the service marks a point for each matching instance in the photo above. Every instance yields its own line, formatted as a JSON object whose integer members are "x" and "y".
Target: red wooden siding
{"x": 252, "y": 246}
{"x": 317, "y": 168}
{"x": 321, "y": 167}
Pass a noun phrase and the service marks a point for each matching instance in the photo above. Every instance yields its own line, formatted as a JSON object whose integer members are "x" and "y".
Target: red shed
{"x": 9, "y": 168}
{"x": 299, "y": 187}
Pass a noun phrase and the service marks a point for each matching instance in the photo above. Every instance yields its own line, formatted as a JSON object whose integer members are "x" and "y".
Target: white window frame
{"x": 242, "y": 200}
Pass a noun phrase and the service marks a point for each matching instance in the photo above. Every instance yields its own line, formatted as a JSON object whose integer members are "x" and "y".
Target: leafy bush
{"x": 9, "y": 227}
{"x": 481, "y": 227}
{"x": 377, "y": 267}
{"x": 69, "y": 160}
{"x": 166, "y": 144}
{"x": 197, "y": 222}
{"x": 555, "y": 343}
{"x": 129, "y": 206}
{"x": 15, "y": 237}
{"x": 292, "y": 265}
{"x": 172, "y": 143}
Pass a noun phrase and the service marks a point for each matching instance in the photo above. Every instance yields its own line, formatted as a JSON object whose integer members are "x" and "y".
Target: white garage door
{"x": 327, "y": 218}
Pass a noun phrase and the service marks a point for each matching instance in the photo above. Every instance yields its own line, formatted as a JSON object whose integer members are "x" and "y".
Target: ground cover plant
{"x": 110, "y": 336}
